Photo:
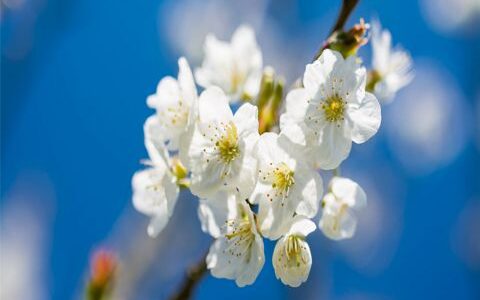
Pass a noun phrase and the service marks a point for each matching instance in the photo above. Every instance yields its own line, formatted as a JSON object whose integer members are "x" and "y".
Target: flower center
{"x": 238, "y": 229}
{"x": 237, "y": 80}
{"x": 338, "y": 218}
{"x": 283, "y": 177}
{"x": 334, "y": 108}
{"x": 227, "y": 144}
{"x": 293, "y": 250}
{"x": 239, "y": 236}
{"x": 176, "y": 115}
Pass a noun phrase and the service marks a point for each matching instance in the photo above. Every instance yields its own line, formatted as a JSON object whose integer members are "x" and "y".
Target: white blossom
{"x": 292, "y": 259}
{"x": 332, "y": 109}
{"x": 221, "y": 150}
{"x": 235, "y": 67}
{"x": 155, "y": 191}
{"x": 175, "y": 104}
{"x": 338, "y": 219}
{"x": 391, "y": 67}
{"x": 285, "y": 185}
{"x": 237, "y": 253}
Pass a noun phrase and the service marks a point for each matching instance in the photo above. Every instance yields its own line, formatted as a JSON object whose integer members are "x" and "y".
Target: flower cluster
{"x": 253, "y": 186}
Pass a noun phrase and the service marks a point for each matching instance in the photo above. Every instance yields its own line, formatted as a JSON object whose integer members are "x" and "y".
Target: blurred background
{"x": 74, "y": 79}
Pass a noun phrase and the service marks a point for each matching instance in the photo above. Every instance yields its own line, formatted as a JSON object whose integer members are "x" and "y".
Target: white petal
{"x": 146, "y": 200}
{"x": 221, "y": 265}
{"x": 243, "y": 271}
{"x": 334, "y": 147}
{"x": 206, "y": 182}
{"x": 338, "y": 226}
{"x": 214, "y": 212}
{"x": 244, "y": 182}
{"x": 157, "y": 224}
{"x": 301, "y": 226}
{"x": 246, "y": 120}
{"x": 252, "y": 83}
{"x": 217, "y": 66}
{"x": 213, "y": 106}
{"x": 383, "y": 91}
{"x": 254, "y": 265}
{"x": 155, "y": 143}
{"x": 186, "y": 138}
{"x": 273, "y": 218}
{"x": 246, "y": 50}
{"x": 167, "y": 91}
{"x": 296, "y": 132}
{"x": 184, "y": 145}
{"x": 348, "y": 191}
{"x": 317, "y": 72}
{"x": 269, "y": 151}
{"x": 297, "y": 104}
{"x": 154, "y": 194}
{"x": 381, "y": 45}
{"x": 312, "y": 191}
{"x": 185, "y": 80}
{"x": 364, "y": 119}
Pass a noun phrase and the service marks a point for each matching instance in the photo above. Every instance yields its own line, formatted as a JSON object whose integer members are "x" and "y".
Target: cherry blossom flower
{"x": 221, "y": 150}
{"x": 338, "y": 219}
{"x": 155, "y": 189}
{"x": 238, "y": 252}
{"x": 292, "y": 258}
{"x": 285, "y": 185}
{"x": 235, "y": 67}
{"x": 391, "y": 67}
{"x": 332, "y": 109}
{"x": 175, "y": 102}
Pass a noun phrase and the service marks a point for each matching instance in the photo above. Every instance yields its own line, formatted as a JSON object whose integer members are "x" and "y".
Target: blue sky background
{"x": 74, "y": 78}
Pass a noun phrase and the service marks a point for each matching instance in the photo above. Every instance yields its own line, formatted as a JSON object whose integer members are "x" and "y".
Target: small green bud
{"x": 266, "y": 87}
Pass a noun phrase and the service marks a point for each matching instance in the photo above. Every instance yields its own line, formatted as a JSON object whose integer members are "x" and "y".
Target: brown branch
{"x": 345, "y": 11}
{"x": 192, "y": 278}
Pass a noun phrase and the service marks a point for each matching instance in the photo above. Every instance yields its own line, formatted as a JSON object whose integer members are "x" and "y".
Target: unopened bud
{"x": 269, "y": 112}
{"x": 103, "y": 268}
{"x": 266, "y": 87}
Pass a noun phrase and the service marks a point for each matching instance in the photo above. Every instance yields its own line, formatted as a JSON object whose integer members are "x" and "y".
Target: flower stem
{"x": 336, "y": 171}
{"x": 192, "y": 278}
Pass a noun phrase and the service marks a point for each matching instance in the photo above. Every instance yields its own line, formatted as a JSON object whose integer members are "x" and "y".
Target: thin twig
{"x": 345, "y": 11}
{"x": 192, "y": 278}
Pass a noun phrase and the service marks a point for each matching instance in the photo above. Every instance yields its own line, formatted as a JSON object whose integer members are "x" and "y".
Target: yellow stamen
{"x": 283, "y": 177}
{"x": 334, "y": 108}
{"x": 227, "y": 144}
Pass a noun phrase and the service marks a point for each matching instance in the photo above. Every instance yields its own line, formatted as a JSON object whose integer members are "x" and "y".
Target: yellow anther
{"x": 334, "y": 108}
